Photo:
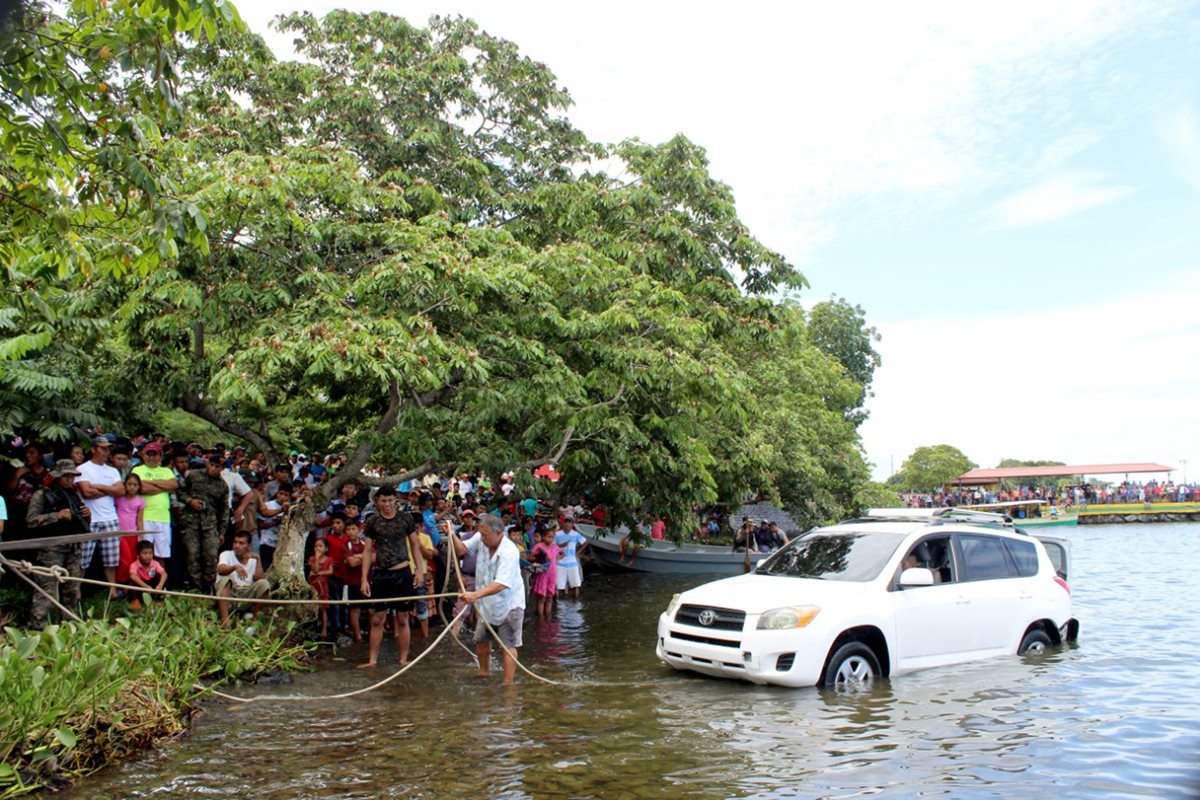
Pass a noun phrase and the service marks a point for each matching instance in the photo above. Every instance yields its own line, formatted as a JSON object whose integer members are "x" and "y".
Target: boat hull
{"x": 667, "y": 558}
{"x": 1062, "y": 520}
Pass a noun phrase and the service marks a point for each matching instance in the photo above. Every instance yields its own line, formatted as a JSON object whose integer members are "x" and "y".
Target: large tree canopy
{"x": 410, "y": 254}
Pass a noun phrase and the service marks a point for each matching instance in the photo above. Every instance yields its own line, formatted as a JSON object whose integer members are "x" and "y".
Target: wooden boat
{"x": 665, "y": 557}
{"x": 1029, "y": 513}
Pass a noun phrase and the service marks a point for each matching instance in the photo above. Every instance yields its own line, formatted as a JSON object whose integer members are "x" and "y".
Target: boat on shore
{"x": 1029, "y": 513}
{"x": 664, "y": 557}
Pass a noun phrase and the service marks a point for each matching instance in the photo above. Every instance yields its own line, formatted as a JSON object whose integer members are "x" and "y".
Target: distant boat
{"x": 1029, "y": 513}
{"x": 668, "y": 558}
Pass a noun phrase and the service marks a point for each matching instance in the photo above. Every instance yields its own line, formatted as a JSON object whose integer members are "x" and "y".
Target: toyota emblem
{"x": 707, "y": 617}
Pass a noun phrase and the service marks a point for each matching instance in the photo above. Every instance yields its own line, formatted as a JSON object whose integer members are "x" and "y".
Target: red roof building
{"x": 978, "y": 477}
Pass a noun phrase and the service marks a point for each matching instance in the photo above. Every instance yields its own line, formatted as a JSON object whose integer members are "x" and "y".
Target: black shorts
{"x": 386, "y": 584}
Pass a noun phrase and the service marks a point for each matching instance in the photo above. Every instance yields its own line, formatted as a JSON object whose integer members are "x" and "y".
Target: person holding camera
{"x": 57, "y": 510}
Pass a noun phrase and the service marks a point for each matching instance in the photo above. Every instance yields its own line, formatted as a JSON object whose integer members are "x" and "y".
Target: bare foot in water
{"x": 367, "y": 665}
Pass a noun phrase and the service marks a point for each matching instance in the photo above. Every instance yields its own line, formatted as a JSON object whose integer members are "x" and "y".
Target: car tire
{"x": 1035, "y": 642}
{"x": 852, "y": 667}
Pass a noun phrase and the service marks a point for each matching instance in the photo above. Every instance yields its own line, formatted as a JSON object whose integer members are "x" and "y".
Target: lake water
{"x": 1117, "y": 715}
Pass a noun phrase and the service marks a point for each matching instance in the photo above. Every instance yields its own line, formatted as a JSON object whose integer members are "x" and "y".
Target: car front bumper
{"x": 783, "y": 658}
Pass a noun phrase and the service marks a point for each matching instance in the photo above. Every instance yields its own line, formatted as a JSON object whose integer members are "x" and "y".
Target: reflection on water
{"x": 1114, "y": 716}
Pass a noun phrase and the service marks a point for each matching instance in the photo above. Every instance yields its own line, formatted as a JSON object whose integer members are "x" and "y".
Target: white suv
{"x": 894, "y": 592}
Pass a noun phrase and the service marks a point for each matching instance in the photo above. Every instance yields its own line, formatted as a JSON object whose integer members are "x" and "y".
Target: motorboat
{"x": 665, "y": 557}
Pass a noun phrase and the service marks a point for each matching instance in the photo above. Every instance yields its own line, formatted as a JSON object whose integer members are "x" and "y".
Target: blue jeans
{"x": 339, "y": 615}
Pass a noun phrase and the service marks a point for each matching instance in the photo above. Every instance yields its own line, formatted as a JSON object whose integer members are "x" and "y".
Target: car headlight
{"x": 671, "y": 608}
{"x": 779, "y": 619}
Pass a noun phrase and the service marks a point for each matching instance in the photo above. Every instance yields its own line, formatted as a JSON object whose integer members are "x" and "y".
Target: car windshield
{"x": 834, "y": 556}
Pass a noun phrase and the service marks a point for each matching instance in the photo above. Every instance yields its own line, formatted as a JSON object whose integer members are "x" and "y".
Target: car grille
{"x": 688, "y": 637}
{"x": 785, "y": 662}
{"x": 724, "y": 619}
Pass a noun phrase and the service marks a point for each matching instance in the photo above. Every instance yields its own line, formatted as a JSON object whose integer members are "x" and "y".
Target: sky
{"x": 1010, "y": 191}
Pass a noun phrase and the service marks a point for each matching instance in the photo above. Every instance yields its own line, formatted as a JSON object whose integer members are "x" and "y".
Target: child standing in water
{"x": 545, "y": 584}
{"x": 320, "y": 567}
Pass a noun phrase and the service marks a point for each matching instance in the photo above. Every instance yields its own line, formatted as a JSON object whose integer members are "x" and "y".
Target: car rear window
{"x": 1024, "y": 555}
{"x": 844, "y": 556}
{"x": 985, "y": 558}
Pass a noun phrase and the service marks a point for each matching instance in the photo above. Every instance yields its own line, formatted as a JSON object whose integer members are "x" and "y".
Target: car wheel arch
{"x": 869, "y": 635}
{"x": 1047, "y": 627}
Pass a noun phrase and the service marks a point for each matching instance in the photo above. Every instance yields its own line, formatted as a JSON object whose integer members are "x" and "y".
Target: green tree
{"x": 838, "y": 328}
{"x": 931, "y": 467}
{"x": 84, "y": 90}
{"x": 407, "y": 258}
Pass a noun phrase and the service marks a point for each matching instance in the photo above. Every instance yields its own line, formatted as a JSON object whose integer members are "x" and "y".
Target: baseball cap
{"x": 64, "y": 466}
{"x": 152, "y": 448}
{"x": 101, "y": 441}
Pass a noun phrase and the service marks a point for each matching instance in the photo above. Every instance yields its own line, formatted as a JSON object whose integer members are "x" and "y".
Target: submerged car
{"x": 896, "y": 591}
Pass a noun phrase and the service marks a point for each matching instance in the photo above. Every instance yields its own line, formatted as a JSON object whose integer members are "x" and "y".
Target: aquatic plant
{"x": 80, "y": 695}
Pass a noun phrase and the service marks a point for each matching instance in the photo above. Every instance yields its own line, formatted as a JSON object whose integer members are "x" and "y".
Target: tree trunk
{"x": 287, "y": 570}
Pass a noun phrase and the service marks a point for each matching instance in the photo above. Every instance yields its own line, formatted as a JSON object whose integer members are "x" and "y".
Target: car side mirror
{"x": 916, "y": 576}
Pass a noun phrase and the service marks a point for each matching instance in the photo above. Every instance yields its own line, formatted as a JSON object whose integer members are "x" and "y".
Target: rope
{"x": 74, "y": 538}
{"x": 55, "y": 571}
{"x": 264, "y": 698}
{"x": 61, "y": 574}
{"x": 442, "y": 614}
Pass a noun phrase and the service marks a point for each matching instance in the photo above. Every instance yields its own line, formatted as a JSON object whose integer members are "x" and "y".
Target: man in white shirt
{"x": 500, "y": 597}
{"x": 239, "y": 574}
{"x": 100, "y": 485}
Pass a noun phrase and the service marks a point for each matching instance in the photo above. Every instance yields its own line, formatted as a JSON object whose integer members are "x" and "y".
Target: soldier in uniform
{"x": 57, "y": 510}
{"x": 204, "y": 515}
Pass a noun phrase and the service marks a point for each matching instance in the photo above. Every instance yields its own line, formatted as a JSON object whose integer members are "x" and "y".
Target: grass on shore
{"x": 78, "y": 696}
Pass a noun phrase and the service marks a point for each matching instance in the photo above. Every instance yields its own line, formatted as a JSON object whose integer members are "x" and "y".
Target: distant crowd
{"x": 1063, "y": 496}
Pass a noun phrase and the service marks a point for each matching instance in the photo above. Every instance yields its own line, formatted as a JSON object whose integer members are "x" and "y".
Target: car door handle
{"x": 962, "y": 601}
{"x": 1027, "y": 596}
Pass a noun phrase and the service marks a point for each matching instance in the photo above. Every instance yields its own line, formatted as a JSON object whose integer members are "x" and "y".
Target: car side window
{"x": 985, "y": 558}
{"x": 1024, "y": 556}
{"x": 935, "y": 554}
{"x": 1058, "y": 558}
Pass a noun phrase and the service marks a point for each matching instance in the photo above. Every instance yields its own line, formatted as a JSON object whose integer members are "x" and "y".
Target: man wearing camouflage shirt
{"x": 204, "y": 515}
{"x": 57, "y": 510}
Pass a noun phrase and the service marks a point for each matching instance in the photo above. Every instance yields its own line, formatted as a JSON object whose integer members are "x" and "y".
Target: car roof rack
{"x": 937, "y": 516}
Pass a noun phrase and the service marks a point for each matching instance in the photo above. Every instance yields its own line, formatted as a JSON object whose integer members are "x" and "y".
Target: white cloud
{"x": 1105, "y": 383}
{"x": 1181, "y": 132}
{"x": 815, "y": 110}
{"x": 1053, "y": 199}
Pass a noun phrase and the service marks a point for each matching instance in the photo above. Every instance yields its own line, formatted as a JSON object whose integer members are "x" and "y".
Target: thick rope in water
{"x": 265, "y": 698}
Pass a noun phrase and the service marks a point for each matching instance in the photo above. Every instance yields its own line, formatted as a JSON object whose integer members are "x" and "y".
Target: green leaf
{"x": 65, "y": 737}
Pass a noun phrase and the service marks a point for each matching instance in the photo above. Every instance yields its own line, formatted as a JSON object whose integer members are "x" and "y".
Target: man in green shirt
{"x": 157, "y": 484}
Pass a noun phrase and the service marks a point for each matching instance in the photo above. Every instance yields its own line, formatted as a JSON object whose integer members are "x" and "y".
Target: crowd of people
{"x": 1064, "y": 496}
{"x": 208, "y": 521}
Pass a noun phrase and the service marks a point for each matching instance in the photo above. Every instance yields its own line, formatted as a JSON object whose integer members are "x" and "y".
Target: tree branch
{"x": 401, "y": 477}
{"x": 554, "y": 457}
{"x": 193, "y": 403}
{"x": 352, "y": 469}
